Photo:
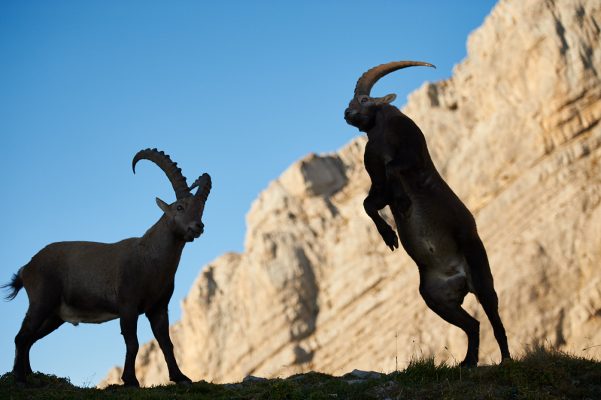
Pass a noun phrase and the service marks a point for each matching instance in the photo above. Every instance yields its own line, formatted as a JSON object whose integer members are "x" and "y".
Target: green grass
{"x": 540, "y": 374}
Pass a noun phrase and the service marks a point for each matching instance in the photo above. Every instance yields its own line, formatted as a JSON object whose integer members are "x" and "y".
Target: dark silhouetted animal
{"x": 97, "y": 282}
{"x": 434, "y": 226}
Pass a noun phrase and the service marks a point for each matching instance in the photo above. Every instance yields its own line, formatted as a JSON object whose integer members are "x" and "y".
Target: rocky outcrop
{"x": 516, "y": 133}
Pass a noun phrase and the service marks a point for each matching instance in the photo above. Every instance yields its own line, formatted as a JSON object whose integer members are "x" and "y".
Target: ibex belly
{"x": 443, "y": 269}
{"x": 74, "y": 316}
{"x": 88, "y": 303}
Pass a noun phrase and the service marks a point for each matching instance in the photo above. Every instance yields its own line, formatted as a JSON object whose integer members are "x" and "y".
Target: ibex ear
{"x": 163, "y": 206}
{"x": 389, "y": 98}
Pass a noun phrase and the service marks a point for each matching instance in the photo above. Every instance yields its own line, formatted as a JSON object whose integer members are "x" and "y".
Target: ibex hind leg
{"x": 454, "y": 314}
{"x": 33, "y": 324}
{"x": 483, "y": 284}
{"x": 52, "y": 323}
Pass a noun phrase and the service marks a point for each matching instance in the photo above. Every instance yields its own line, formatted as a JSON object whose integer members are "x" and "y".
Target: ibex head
{"x": 185, "y": 214}
{"x": 362, "y": 109}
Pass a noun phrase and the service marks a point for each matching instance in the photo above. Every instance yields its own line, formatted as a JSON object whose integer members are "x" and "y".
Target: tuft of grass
{"x": 541, "y": 373}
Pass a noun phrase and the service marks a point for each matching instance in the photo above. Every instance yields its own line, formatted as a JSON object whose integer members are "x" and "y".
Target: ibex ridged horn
{"x": 204, "y": 186}
{"x": 170, "y": 168}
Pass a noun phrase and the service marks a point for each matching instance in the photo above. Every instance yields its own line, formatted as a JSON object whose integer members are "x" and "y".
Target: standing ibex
{"x": 436, "y": 229}
{"x": 97, "y": 282}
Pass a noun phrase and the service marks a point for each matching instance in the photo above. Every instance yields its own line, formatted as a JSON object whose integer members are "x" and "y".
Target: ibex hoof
{"x": 468, "y": 364}
{"x": 505, "y": 360}
{"x": 390, "y": 238}
{"x": 182, "y": 380}
{"x": 131, "y": 383}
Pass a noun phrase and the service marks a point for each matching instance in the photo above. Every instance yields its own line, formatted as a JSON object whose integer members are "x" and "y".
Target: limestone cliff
{"x": 515, "y": 132}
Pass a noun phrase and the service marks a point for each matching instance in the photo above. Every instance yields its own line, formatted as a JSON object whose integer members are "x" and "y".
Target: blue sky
{"x": 238, "y": 89}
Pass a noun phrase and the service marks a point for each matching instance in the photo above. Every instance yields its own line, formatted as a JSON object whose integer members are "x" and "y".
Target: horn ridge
{"x": 369, "y": 78}
{"x": 169, "y": 167}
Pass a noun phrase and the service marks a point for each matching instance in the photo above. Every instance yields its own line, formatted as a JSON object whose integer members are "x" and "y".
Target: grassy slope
{"x": 540, "y": 374}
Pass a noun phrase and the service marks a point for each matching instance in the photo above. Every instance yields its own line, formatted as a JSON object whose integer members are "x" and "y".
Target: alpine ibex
{"x": 97, "y": 282}
{"x": 436, "y": 229}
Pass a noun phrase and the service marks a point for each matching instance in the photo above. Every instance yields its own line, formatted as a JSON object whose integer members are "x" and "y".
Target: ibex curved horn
{"x": 204, "y": 186}
{"x": 170, "y": 168}
{"x": 369, "y": 79}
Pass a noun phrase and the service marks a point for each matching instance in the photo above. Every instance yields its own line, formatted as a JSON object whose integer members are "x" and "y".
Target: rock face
{"x": 516, "y": 134}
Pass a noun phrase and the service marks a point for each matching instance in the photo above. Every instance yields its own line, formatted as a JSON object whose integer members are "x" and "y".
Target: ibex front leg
{"x": 375, "y": 201}
{"x": 159, "y": 322}
{"x": 129, "y": 326}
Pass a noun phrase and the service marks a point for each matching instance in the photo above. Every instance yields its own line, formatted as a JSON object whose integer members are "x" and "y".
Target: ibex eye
{"x": 363, "y": 100}
{"x": 180, "y": 208}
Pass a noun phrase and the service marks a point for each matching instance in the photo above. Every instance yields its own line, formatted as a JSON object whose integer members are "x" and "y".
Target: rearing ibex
{"x": 97, "y": 282}
{"x": 436, "y": 229}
